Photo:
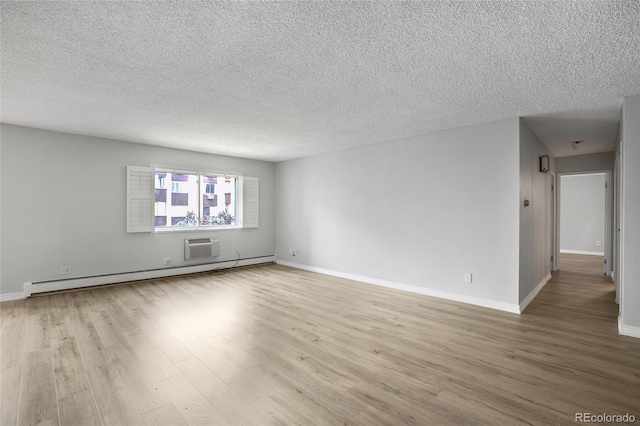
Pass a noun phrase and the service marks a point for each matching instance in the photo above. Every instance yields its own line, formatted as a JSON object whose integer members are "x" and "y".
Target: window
{"x": 194, "y": 200}
{"x": 179, "y": 199}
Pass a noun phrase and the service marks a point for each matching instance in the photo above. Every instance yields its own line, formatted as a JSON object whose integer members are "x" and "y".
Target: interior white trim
{"x": 142, "y": 275}
{"x": 593, "y": 253}
{"x": 7, "y": 297}
{"x": 579, "y": 173}
{"x": 534, "y": 293}
{"x": 486, "y": 303}
{"x": 627, "y": 330}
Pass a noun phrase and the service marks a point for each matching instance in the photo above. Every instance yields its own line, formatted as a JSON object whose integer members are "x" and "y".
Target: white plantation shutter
{"x": 140, "y": 199}
{"x": 250, "y": 197}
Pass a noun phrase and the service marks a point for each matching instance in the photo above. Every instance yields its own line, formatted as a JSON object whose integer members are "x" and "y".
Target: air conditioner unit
{"x": 196, "y": 248}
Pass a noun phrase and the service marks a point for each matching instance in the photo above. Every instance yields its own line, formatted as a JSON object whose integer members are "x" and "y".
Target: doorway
{"x": 584, "y": 238}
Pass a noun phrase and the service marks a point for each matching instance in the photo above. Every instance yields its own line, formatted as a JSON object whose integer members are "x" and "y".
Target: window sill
{"x": 195, "y": 229}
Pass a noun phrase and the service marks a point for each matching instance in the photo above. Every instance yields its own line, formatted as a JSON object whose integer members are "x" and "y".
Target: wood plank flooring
{"x": 274, "y": 345}
{"x": 581, "y": 263}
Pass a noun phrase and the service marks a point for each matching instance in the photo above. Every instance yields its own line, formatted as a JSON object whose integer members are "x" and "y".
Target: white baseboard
{"x": 68, "y": 284}
{"x": 7, "y": 297}
{"x": 627, "y": 330}
{"x": 592, "y": 253}
{"x": 486, "y": 303}
{"x": 534, "y": 293}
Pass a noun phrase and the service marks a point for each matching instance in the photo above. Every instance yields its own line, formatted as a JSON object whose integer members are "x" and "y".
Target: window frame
{"x": 200, "y": 174}
{"x": 141, "y": 209}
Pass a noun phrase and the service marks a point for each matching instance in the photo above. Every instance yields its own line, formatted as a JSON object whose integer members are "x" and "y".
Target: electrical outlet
{"x": 294, "y": 252}
{"x": 166, "y": 260}
{"x": 467, "y": 277}
{"x": 65, "y": 270}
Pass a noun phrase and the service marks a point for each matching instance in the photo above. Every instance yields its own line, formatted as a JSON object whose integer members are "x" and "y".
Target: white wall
{"x": 617, "y": 213}
{"x": 1, "y": 211}
{"x": 63, "y": 203}
{"x": 586, "y": 163}
{"x": 630, "y": 221}
{"x": 582, "y": 213}
{"x": 536, "y": 220}
{"x": 420, "y": 211}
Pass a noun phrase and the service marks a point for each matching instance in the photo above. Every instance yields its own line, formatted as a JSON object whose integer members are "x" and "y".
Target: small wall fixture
{"x": 544, "y": 163}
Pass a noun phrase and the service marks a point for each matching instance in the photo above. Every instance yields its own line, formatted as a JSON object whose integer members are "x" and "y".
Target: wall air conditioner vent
{"x": 196, "y": 248}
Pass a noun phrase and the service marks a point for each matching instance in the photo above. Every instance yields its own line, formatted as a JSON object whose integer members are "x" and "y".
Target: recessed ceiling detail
{"x": 281, "y": 80}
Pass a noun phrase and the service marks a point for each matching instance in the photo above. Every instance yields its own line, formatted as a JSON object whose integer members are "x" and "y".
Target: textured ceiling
{"x": 280, "y": 80}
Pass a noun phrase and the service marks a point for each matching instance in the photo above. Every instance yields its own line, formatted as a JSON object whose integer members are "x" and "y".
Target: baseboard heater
{"x": 121, "y": 277}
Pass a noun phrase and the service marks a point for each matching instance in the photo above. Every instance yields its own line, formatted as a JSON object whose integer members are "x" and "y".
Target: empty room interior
{"x": 322, "y": 212}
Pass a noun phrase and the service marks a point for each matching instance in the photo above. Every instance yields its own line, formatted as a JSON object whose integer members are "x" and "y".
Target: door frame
{"x": 554, "y": 220}
{"x": 608, "y": 218}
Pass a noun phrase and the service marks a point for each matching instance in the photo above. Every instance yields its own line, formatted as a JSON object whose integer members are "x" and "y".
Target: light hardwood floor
{"x": 274, "y": 345}
{"x": 582, "y": 263}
